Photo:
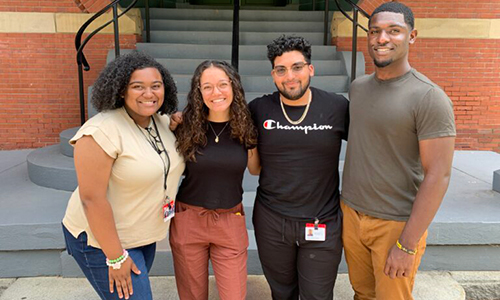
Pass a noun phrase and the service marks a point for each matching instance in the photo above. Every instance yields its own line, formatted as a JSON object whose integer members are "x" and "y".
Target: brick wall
{"x": 467, "y": 69}
{"x": 53, "y": 5}
{"x": 38, "y": 6}
{"x": 468, "y": 9}
{"x": 91, "y": 5}
{"x": 39, "y": 85}
{"x": 39, "y": 79}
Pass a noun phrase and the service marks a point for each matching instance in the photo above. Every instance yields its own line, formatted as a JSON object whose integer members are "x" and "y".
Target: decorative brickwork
{"x": 467, "y": 69}
{"x": 93, "y": 5}
{"x": 39, "y": 6}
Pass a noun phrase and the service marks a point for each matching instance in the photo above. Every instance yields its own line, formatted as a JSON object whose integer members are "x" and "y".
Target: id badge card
{"x": 315, "y": 233}
{"x": 168, "y": 209}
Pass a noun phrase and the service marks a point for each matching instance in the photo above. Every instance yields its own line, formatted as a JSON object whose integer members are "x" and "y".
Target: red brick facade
{"x": 467, "y": 69}
{"x": 467, "y": 9}
{"x": 68, "y": 6}
{"x": 39, "y": 79}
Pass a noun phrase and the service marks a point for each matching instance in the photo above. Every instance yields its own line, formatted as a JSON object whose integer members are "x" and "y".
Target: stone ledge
{"x": 479, "y": 285}
{"x": 441, "y": 28}
{"x": 28, "y": 22}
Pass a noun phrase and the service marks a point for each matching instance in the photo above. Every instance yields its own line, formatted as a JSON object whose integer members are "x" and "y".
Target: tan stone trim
{"x": 21, "y": 22}
{"x": 18, "y": 22}
{"x": 430, "y": 28}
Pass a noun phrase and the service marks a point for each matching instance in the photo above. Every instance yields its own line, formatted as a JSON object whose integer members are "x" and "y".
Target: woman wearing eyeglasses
{"x": 215, "y": 137}
{"x": 128, "y": 169}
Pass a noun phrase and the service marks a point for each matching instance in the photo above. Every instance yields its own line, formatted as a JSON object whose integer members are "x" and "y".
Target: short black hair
{"x": 396, "y": 7}
{"x": 286, "y": 44}
{"x": 110, "y": 86}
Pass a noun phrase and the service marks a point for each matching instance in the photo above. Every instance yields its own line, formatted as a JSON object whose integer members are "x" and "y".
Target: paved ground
{"x": 428, "y": 286}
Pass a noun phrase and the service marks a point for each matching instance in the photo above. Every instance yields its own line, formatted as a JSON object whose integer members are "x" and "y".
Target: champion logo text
{"x": 272, "y": 124}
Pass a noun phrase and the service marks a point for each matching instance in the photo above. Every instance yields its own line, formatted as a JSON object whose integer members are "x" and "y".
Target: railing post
{"x": 326, "y": 20}
{"x": 314, "y": 5}
{"x": 82, "y": 94}
{"x": 236, "y": 35}
{"x": 354, "y": 42}
{"x": 116, "y": 27}
{"x": 148, "y": 24}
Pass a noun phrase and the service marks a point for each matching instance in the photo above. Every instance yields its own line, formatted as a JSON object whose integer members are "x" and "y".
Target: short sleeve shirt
{"x": 299, "y": 178}
{"x": 383, "y": 171}
{"x": 135, "y": 190}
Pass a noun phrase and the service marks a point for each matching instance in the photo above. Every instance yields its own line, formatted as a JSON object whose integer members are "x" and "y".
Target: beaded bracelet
{"x": 408, "y": 251}
{"x": 116, "y": 264}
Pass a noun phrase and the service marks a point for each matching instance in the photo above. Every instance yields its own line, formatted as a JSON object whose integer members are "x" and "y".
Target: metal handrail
{"x": 235, "y": 52}
{"x": 81, "y": 61}
{"x": 355, "y": 10}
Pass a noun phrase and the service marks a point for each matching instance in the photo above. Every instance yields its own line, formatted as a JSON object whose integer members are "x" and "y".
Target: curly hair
{"x": 285, "y": 44}
{"x": 192, "y": 133}
{"x": 396, "y": 7}
{"x": 110, "y": 86}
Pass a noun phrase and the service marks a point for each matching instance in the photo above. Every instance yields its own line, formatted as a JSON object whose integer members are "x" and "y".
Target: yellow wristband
{"x": 408, "y": 251}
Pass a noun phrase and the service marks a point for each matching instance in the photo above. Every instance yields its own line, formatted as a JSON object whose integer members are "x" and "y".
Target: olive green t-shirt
{"x": 382, "y": 171}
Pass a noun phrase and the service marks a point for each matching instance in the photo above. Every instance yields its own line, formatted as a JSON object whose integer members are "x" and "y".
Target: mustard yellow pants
{"x": 367, "y": 241}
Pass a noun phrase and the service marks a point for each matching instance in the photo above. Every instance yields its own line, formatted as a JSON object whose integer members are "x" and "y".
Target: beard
{"x": 382, "y": 64}
{"x": 295, "y": 94}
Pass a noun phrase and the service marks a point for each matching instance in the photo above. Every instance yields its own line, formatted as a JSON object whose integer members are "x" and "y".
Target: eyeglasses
{"x": 296, "y": 69}
{"x": 155, "y": 140}
{"x": 222, "y": 86}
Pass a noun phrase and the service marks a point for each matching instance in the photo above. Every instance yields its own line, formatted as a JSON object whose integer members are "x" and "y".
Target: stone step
{"x": 247, "y": 52}
{"x": 244, "y": 26}
{"x": 245, "y": 15}
{"x": 225, "y": 38}
{"x": 65, "y": 136}
{"x": 183, "y": 66}
{"x": 465, "y": 234}
{"x": 48, "y": 167}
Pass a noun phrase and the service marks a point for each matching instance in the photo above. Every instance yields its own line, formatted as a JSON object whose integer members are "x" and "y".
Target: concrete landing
{"x": 428, "y": 285}
{"x": 465, "y": 235}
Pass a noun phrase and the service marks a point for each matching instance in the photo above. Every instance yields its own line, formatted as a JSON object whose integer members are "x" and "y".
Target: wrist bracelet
{"x": 116, "y": 264}
{"x": 407, "y": 251}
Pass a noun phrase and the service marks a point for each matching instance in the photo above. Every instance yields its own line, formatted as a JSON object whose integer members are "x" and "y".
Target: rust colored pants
{"x": 197, "y": 235}
{"x": 367, "y": 241}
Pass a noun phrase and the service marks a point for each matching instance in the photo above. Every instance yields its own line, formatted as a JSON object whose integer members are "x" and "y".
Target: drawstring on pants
{"x": 215, "y": 215}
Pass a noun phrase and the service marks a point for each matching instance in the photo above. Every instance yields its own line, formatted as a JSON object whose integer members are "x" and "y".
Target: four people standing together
{"x": 401, "y": 138}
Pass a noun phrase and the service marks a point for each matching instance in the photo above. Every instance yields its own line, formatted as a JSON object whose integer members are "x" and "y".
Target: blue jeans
{"x": 92, "y": 261}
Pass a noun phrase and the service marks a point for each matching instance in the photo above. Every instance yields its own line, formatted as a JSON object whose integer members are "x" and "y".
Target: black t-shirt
{"x": 214, "y": 180}
{"x": 299, "y": 177}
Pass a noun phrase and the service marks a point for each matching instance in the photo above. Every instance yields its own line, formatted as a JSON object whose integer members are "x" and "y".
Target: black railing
{"x": 355, "y": 10}
{"x": 80, "y": 45}
{"x": 235, "y": 52}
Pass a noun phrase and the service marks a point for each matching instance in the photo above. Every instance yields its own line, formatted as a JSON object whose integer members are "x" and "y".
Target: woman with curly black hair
{"x": 215, "y": 136}
{"x": 127, "y": 168}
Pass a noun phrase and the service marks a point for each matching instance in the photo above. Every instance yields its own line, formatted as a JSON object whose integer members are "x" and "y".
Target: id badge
{"x": 168, "y": 209}
{"x": 315, "y": 232}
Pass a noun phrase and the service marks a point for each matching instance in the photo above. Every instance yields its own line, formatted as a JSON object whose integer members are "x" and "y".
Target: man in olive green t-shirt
{"x": 398, "y": 161}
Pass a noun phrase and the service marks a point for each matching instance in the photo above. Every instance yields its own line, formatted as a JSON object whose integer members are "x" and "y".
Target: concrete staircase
{"x": 35, "y": 185}
{"x": 182, "y": 38}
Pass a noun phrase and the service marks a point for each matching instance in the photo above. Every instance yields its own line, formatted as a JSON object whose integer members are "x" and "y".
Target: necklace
{"x": 217, "y": 135}
{"x": 304, "y": 114}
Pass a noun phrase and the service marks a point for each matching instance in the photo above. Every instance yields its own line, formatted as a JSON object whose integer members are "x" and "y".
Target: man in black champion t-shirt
{"x": 297, "y": 219}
